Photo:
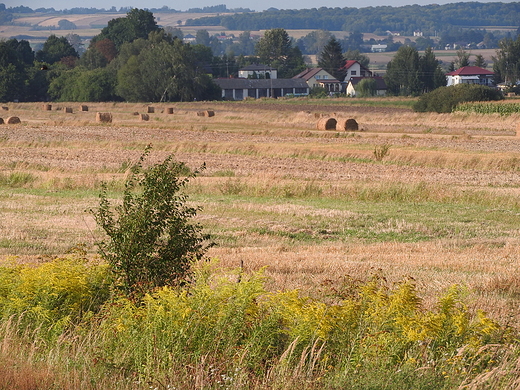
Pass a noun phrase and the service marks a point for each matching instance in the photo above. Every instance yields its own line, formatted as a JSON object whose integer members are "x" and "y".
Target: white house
{"x": 240, "y": 89}
{"x": 354, "y": 69}
{"x": 378, "y": 48}
{"x": 318, "y": 77}
{"x": 257, "y": 71}
{"x": 470, "y": 75}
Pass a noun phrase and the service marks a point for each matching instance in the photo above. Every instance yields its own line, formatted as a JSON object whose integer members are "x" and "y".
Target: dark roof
{"x": 311, "y": 72}
{"x": 470, "y": 71}
{"x": 256, "y": 68}
{"x": 380, "y": 82}
{"x": 242, "y": 83}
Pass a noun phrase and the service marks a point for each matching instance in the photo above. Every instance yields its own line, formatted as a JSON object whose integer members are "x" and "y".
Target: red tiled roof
{"x": 469, "y": 71}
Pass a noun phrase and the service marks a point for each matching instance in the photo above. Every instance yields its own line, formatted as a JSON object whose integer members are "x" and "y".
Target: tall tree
{"x": 431, "y": 74}
{"x": 275, "y": 49}
{"x": 331, "y": 59}
{"x": 480, "y": 61}
{"x": 402, "y": 75}
{"x": 506, "y": 64}
{"x": 462, "y": 58}
{"x": 54, "y": 49}
{"x": 137, "y": 24}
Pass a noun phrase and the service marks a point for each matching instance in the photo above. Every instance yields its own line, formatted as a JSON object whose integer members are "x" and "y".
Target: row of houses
{"x": 257, "y": 81}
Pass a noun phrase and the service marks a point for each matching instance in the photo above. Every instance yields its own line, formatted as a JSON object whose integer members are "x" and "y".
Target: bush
{"x": 444, "y": 99}
{"x": 151, "y": 242}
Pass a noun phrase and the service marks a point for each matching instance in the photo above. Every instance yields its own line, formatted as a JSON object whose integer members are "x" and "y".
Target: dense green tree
{"x": 506, "y": 64}
{"x": 331, "y": 59}
{"x": 80, "y": 85}
{"x": 314, "y": 42}
{"x": 275, "y": 49}
{"x": 165, "y": 72}
{"x": 202, "y": 37}
{"x": 409, "y": 73}
{"x": 366, "y": 88}
{"x": 137, "y": 24}
{"x": 402, "y": 75}
{"x": 15, "y": 59}
{"x": 431, "y": 74}
{"x": 54, "y": 49}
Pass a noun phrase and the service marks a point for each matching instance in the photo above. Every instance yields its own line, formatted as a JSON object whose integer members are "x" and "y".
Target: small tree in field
{"x": 151, "y": 242}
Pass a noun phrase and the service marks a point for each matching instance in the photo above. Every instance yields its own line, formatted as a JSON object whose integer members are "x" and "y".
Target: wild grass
{"x": 313, "y": 210}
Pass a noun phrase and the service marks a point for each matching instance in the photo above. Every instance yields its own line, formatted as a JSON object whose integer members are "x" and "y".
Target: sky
{"x": 183, "y": 5}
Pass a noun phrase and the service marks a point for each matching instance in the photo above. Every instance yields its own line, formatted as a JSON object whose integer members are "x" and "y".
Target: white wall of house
{"x": 273, "y": 73}
{"x": 473, "y": 79}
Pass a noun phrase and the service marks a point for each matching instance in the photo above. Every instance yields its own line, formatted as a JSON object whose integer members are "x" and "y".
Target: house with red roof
{"x": 470, "y": 75}
{"x": 354, "y": 69}
{"x": 318, "y": 77}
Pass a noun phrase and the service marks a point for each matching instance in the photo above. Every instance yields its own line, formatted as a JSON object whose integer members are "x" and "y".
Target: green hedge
{"x": 445, "y": 99}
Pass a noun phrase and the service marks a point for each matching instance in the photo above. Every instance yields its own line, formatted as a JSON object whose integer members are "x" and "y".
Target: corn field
{"x": 489, "y": 108}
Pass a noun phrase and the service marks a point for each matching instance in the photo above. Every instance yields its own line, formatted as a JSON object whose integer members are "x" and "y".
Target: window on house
{"x": 353, "y": 73}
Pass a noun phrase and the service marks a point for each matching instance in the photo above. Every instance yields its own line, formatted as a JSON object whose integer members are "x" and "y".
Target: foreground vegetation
{"x": 334, "y": 267}
{"x": 227, "y": 331}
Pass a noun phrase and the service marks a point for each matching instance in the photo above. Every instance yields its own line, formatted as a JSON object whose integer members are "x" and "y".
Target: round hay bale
{"x": 68, "y": 110}
{"x": 47, "y": 107}
{"x": 83, "y": 108}
{"x": 13, "y": 120}
{"x": 170, "y": 110}
{"x": 105, "y": 117}
{"x": 5, "y": 108}
{"x": 151, "y": 110}
{"x": 135, "y": 113}
{"x": 326, "y": 124}
{"x": 144, "y": 117}
{"x": 209, "y": 113}
{"x": 347, "y": 125}
{"x": 200, "y": 113}
{"x": 1, "y": 121}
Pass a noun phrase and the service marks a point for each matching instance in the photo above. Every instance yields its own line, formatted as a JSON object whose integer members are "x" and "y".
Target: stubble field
{"x": 313, "y": 206}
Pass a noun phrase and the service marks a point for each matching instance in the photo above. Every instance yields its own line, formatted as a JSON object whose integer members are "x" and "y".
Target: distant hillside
{"x": 428, "y": 19}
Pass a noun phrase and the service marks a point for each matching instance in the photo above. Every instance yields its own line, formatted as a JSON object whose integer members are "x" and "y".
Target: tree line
{"x": 133, "y": 59}
{"x": 430, "y": 19}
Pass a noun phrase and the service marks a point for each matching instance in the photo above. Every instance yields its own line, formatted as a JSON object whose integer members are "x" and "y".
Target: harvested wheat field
{"x": 441, "y": 204}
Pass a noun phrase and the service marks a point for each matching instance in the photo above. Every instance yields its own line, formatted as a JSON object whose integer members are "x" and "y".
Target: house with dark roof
{"x": 241, "y": 88}
{"x": 354, "y": 81}
{"x": 258, "y": 71}
{"x": 470, "y": 75}
{"x": 354, "y": 69}
{"x": 318, "y": 77}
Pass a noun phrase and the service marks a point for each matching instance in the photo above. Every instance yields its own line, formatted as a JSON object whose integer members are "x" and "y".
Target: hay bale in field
{"x": 1, "y": 121}
{"x": 169, "y": 110}
{"x": 5, "y": 108}
{"x": 68, "y": 110}
{"x": 326, "y": 124}
{"x": 135, "y": 113}
{"x": 13, "y": 120}
{"x": 207, "y": 113}
{"x": 47, "y": 107}
{"x": 105, "y": 117}
{"x": 144, "y": 117}
{"x": 83, "y": 108}
{"x": 151, "y": 110}
{"x": 347, "y": 125}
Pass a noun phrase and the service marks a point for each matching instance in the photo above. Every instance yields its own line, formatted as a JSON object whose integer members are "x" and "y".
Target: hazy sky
{"x": 184, "y": 5}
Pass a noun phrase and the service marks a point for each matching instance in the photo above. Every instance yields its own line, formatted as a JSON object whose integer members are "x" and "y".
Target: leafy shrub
{"x": 445, "y": 99}
{"x": 151, "y": 242}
